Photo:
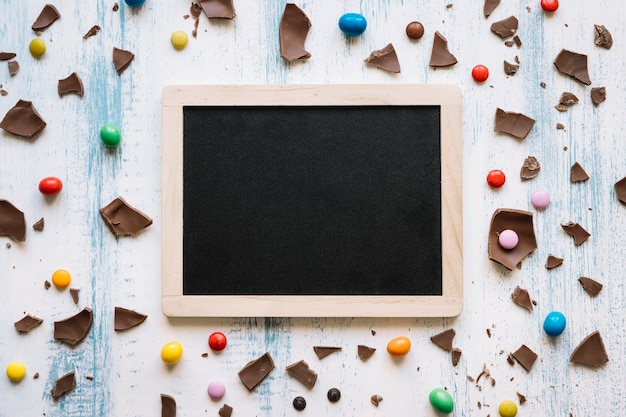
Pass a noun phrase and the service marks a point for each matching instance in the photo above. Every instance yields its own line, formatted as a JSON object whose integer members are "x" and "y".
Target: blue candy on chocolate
{"x": 352, "y": 24}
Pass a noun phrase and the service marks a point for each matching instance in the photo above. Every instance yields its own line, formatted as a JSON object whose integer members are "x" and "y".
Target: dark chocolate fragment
{"x": 92, "y": 32}
{"x": 620, "y": 190}
{"x": 293, "y": 30}
{"x": 510, "y": 69}
{"x": 255, "y": 371}
{"x": 577, "y": 232}
{"x": 74, "y": 292}
{"x": 126, "y": 319}
{"x": 89, "y": 377}
{"x": 23, "y": 120}
{"x": 323, "y": 351}
{"x": 365, "y": 352}
{"x": 27, "y": 323}
{"x": 561, "y": 107}
{"x": 47, "y": 17}
{"x": 489, "y": 7}
{"x": 333, "y": 395}
{"x": 122, "y": 219}
{"x": 509, "y": 43}
{"x": 440, "y": 55}
{"x": 525, "y": 357}
{"x": 521, "y": 297}
{"x": 573, "y": 64}
{"x": 592, "y": 287}
{"x": 12, "y": 223}
{"x": 122, "y": 59}
{"x": 385, "y": 59}
{"x": 71, "y": 84}
{"x": 376, "y": 399}
{"x": 74, "y": 329}
{"x": 515, "y": 124}
{"x": 602, "y": 37}
{"x": 218, "y": 9}
{"x": 225, "y": 411}
{"x": 530, "y": 169}
{"x": 14, "y": 67}
{"x": 510, "y": 359}
{"x": 299, "y": 403}
{"x": 518, "y": 41}
{"x": 521, "y": 222}
{"x": 598, "y": 95}
{"x": 5, "y": 56}
{"x": 578, "y": 174}
{"x": 38, "y": 225}
{"x": 116, "y": 7}
{"x": 168, "y": 406}
{"x": 301, "y": 371}
{"x": 590, "y": 351}
{"x": 456, "y": 356}
{"x": 444, "y": 339}
{"x": 552, "y": 262}
{"x": 505, "y": 27}
{"x": 64, "y": 384}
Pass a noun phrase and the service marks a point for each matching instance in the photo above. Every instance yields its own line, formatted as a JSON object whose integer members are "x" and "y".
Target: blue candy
{"x": 352, "y": 24}
{"x": 134, "y": 3}
{"x": 554, "y": 324}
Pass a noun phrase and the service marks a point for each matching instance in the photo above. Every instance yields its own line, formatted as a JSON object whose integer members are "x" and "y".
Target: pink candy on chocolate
{"x": 508, "y": 239}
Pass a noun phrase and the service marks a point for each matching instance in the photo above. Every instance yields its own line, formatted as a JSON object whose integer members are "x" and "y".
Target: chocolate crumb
{"x": 592, "y": 287}
{"x": 561, "y": 107}
{"x": 74, "y": 293}
{"x": 515, "y": 124}
{"x": 74, "y": 329}
{"x": 525, "y": 357}
{"x": 444, "y": 339}
{"x": 522, "y": 223}
{"x": 509, "y": 43}
{"x": 168, "y": 406}
{"x": 521, "y": 297}
{"x": 385, "y": 59}
{"x": 565, "y": 148}
{"x": 47, "y": 17}
{"x": 510, "y": 359}
{"x": 14, "y": 67}
{"x": 71, "y": 84}
{"x": 489, "y": 7}
{"x": 505, "y": 27}
{"x": 122, "y": 59}
{"x": 123, "y": 219}
{"x": 205, "y": 355}
{"x": 3, "y": 92}
{"x": 64, "y": 384}
{"x": 225, "y": 411}
{"x": 92, "y": 32}
{"x": 376, "y": 399}
{"x": 365, "y": 352}
{"x": 373, "y": 332}
{"x": 116, "y": 7}
{"x": 449, "y": 5}
{"x": 578, "y": 174}
{"x": 27, "y": 323}
{"x": 89, "y": 377}
{"x": 516, "y": 59}
{"x": 218, "y": 9}
{"x": 8, "y": 245}
{"x": 553, "y": 262}
{"x": 598, "y": 95}
{"x": 5, "y": 56}
{"x": 479, "y": 405}
{"x": 440, "y": 55}
{"x": 195, "y": 10}
{"x": 573, "y": 64}
{"x": 510, "y": 69}
{"x": 323, "y": 351}
{"x": 23, "y": 120}
{"x": 38, "y": 225}
{"x": 518, "y": 41}
{"x": 534, "y": 302}
{"x": 47, "y": 284}
{"x": 301, "y": 371}
{"x": 293, "y": 30}
{"x": 602, "y": 37}
{"x": 254, "y": 372}
{"x": 36, "y": 375}
{"x": 568, "y": 98}
{"x": 542, "y": 84}
{"x": 620, "y": 190}
{"x": 126, "y": 319}
{"x": 590, "y": 351}
{"x": 456, "y": 356}
{"x": 560, "y": 126}
{"x": 575, "y": 230}
{"x": 521, "y": 398}
{"x": 470, "y": 378}
{"x": 485, "y": 372}
{"x": 488, "y": 330}
{"x": 12, "y": 223}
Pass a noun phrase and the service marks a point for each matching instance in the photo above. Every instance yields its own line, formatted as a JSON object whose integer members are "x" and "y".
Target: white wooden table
{"x": 127, "y": 371}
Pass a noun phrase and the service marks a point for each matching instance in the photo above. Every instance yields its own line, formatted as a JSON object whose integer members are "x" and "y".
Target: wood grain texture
{"x": 128, "y": 373}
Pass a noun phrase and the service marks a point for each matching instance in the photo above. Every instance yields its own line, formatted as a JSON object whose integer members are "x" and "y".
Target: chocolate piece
{"x": 521, "y": 398}
{"x": 116, "y": 7}
{"x": 440, "y": 55}
{"x": 23, "y": 120}
{"x": 505, "y": 27}
{"x": 561, "y": 107}
{"x": 299, "y": 403}
{"x": 14, "y": 67}
{"x": 509, "y": 43}
{"x": 74, "y": 292}
{"x": 225, "y": 411}
{"x": 36, "y": 375}
{"x": 301, "y": 371}
{"x": 444, "y": 339}
{"x": 592, "y": 287}
{"x": 27, "y": 323}
{"x": 122, "y": 219}
{"x": 518, "y": 41}
{"x": 255, "y": 371}
{"x": 521, "y": 222}
{"x": 74, "y": 329}
{"x": 510, "y": 69}
{"x": 38, "y": 225}
{"x": 64, "y": 384}
{"x": 573, "y": 64}
{"x": 126, "y": 319}
{"x": 12, "y": 223}
{"x": 122, "y": 59}
{"x": 515, "y": 124}
{"x": 521, "y": 297}
{"x": 560, "y": 126}
{"x": 530, "y": 169}
{"x": 577, "y": 232}
{"x": 294, "y": 28}
{"x": 510, "y": 359}
{"x": 525, "y": 357}
{"x": 92, "y": 32}
{"x": 602, "y": 37}
{"x": 578, "y": 174}
{"x": 168, "y": 406}
{"x": 552, "y": 262}
{"x": 89, "y": 377}
{"x": 414, "y": 30}
{"x": 5, "y": 56}
{"x": 195, "y": 10}
{"x": 323, "y": 351}
{"x": 590, "y": 351}
{"x": 376, "y": 399}
{"x": 456, "y": 356}
{"x": 333, "y": 395}
{"x": 568, "y": 98}
{"x": 47, "y": 17}
{"x": 598, "y": 95}
{"x": 47, "y": 285}
{"x": 71, "y": 84}
{"x": 385, "y": 59}
{"x": 489, "y": 7}
{"x": 365, "y": 352}
{"x": 542, "y": 84}
{"x": 3, "y": 92}
{"x": 219, "y": 9}
{"x": 620, "y": 190}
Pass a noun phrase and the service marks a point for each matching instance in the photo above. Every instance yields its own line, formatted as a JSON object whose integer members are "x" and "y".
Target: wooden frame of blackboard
{"x": 177, "y": 304}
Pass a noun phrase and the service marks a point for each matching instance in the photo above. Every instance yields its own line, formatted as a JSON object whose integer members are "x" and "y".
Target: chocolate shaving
{"x": 590, "y": 351}
{"x": 489, "y": 7}
{"x": 376, "y": 399}
{"x": 505, "y": 27}
{"x": 441, "y": 56}
{"x": 123, "y": 219}
{"x": 168, "y": 406}
{"x": 515, "y": 124}
{"x": 510, "y": 359}
{"x": 71, "y": 84}
{"x": 510, "y": 69}
{"x": 525, "y": 357}
{"x": 218, "y": 9}
{"x": 64, "y": 384}
{"x": 47, "y": 17}
{"x": 573, "y": 64}
{"x": 598, "y": 95}
{"x": 385, "y": 59}
{"x": 294, "y": 28}
{"x": 225, "y": 411}
{"x": 456, "y": 356}
{"x": 38, "y": 225}
{"x": 301, "y": 371}
{"x": 255, "y": 371}
{"x": 602, "y": 37}
{"x": 530, "y": 169}
{"x": 122, "y": 59}
{"x": 74, "y": 292}
{"x": 578, "y": 174}
{"x": 14, "y": 67}
{"x": 552, "y": 262}
{"x": 27, "y": 323}
{"x": 521, "y": 297}
{"x": 620, "y": 190}
{"x": 5, "y": 56}
{"x": 23, "y": 120}
{"x": 12, "y": 223}
{"x": 3, "y": 92}
{"x": 92, "y": 32}
{"x": 323, "y": 351}
{"x": 520, "y": 222}
{"x": 577, "y": 232}
{"x": 444, "y": 339}
{"x": 592, "y": 287}
{"x": 365, "y": 352}
{"x": 126, "y": 319}
{"x": 74, "y": 329}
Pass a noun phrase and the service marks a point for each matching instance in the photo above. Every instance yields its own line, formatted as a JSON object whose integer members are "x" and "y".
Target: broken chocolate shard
{"x": 126, "y": 319}
{"x": 521, "y": 297}
{"x": 518, "y": 41}
{"x": 5, "y": 56}
{"x": 510, "y": 69}
{"x": 27, "y": 323}
{"x": 301, "y": 371}
{"x": 38, "y": 225}
{"x": 602, "y": 37}
{"x": 293, "y": 30}
{"x": 577, "y": 173}
{"x": 598, "y": 95}
{"x": 530, "y": 169}
{"x": 225, "y": 411}
{"x": 74, "y": 292}
{"x": 12, "y": 223}
{"x": 553, "y": 262}
{"x": 560, "y": 126}
{"x": 74, "y": 329}
{"x": 440, "y": 55}
{"x": 568, "y": 98}
{"x": 365, "y": 352}
{"x": 123, "y": 219}
{"x": 561, "y": 107}
{"x": 521, "y": 222}
{"x": 590, "y": 351}
{"x": 525, "y": 357}
{"x": 168, "y": 406}
{"x": 121, "y": 59}
{"x": 255, "y": 371}
{"x": 489, "y": 7}
{"x": 71, "y": 84}
{"x": 385, "y": 59}
{"x": 218, "y": 9}
{"x": 505, "y": 27}
{"x": 575, "y": 230}
{"x": 592, "y": 287}
{"x": 47, "y": 17}
{"x": 444, "y": 339}
{"x": 92, "y": 32}
{"x": 23, "y": 120}
{"x": 3, "y": 92}
{"x": 323, "y": 351}
{"x": 515, "y": 124}
{"x": 64, "y": 384}
{"x": 456, "y": 356}
{"x": 573, "y": 64}
{"x": 376, "y": 399}
{"x": 14, "y": 67}
{"x": 620, "y": 190}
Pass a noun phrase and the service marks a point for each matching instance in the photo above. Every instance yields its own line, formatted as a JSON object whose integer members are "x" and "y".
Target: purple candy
{"x": 216, "y": 390}
{"x": 508, "y": 239}
{"x": 540, "y": 199}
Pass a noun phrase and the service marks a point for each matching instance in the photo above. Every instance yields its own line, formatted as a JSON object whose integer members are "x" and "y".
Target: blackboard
{"x": 305, "y": 199}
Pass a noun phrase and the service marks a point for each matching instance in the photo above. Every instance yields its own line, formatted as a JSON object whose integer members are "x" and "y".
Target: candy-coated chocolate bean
{"x": 507, "y": 408}
{"x": 496, "y": 178}
{"x": 216, "y": 390}
{"x": 16, "y": 371}
{"x": 50, "y": 186}
{"x": 441, "y": 400}
{"x": 399, "y": 346}
{"x": 135, "y": 3}
{"x": 480, "y": 73}
{"x": 110, "y": 135}
{"x": 415, "y": 30}
{"x": 352, "y": 24}
{"x": 550, "y": 5}
{"x": 540, "y": 199}
{"x": 179, "y": 40}
{"x": 171, "y": 353}
{"x": 37, "y": 47}
{"x": 554, "y": 324}
{"x": 508, "y": 239}
{"x": 217, "y": 341}
{"x": 299, "y": 403}
{"x": 333, "y": 395}
{"x": 61, "y": 278}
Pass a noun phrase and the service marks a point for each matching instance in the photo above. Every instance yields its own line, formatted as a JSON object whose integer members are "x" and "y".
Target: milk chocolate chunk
{"x": 195, "y": 10}
{"x": 219, "y": 9}
{"x": 521, "y": 222}
{"x": 521, "y": 297}
{"x": 365, "y": 352}
{"x": 553, "y": 262}
{"x": 293, "y": 30}
{"x": 122, "y": 59}
{"x": 602, "y": 37}
{"x": 385, "y": 59}
{"x": 116, "y": 7}
{"x": 620, "y": 190}
{"x": 23, "y": 120}
{"x": 444, "y": 339}
{"x": 71, "y": 84}
{"x": 489, "y": 7}
{"x": 255, "y": 371}
{"x": 598, "y": 95}
{"x": 75, "y": 292}
{"x": 456, "y": 356}
{"x": 301, "y": 371}
{"x": 592, "y": 287}
{"x": 47, "y": 17}
{"x": 74, "y": 329}
{"x": 5, "y": 56}
{"x": 518, "y": 41}
{"x": 38, "y": 225}
{"x": 323, "y": 351}
{"x": 225, "y": 411}
{"x": 530, "y": 169}
{"x": 126, "y": 319}
{"x": 567, "y": 99}
{"x": 525, "y": 357}
{"x": 590, "y": 351}
{"x": 515, "y": 124}
{"x": 440, "y": 55}
{"x": 27, "y": 323}
{"x": 510, "y": 69}
{"x": 12, "y": 223}
{"x": 122, "y": 219}
{"x": 577, "y": 232}
{"x": 64, "y": 384}
{"x": 376, "y": 399}
{"x": 560, "y": 126}
{"x": 168, "y": 406}
{"x": 578, "y": 174}
{"x": 573, "y": 64}
{"x": 505, "y": 27}
{"x": 92, "y": 32}
{"x": 14, "y": 67}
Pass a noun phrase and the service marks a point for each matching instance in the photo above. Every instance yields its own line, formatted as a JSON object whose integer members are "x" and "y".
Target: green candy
{"x": 110, "y": 135}
{"x": 441, "y": 400}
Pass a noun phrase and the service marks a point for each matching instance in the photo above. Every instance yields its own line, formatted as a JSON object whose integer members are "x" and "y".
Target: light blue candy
{"x": 352, "y": 24}
{"x": 554, "y": 324}
{"x": 135, "y": 3}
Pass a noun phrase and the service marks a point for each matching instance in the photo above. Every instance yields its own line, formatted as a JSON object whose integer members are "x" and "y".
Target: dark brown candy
{"x": 225, "y": 411}
{"x": 299, "y": 403}
{"x": 415, "y": 30}
{"x": 333, "y": 395}
{"x": 510, "y": 69}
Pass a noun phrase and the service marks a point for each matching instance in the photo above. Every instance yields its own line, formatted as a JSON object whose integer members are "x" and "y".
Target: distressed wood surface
{"x": 127, "y": 372}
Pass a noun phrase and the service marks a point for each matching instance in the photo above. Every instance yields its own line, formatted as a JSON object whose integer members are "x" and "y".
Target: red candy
{"x": 480, "y": 73}
{"x": 50, "y": 186}
{"x": 217, "y": 341}
{"x": 550, "y": 5}
{"x": 496, "y": 178}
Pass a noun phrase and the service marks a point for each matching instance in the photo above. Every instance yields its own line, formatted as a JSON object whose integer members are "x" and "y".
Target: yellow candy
{"x": 37, "y": 47}
{"x": 171, "y": 353}
{"x": 61, "y": 278}
{"x": 507, "y": 408}
{"x": 16, "y": 371}
{"x": 179, "y": 40}
{"x": 399, "y": 346}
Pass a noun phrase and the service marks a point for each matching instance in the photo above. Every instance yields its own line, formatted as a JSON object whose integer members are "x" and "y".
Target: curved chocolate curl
{"x": 122, "y": 219}
{"x": 440, "y": 55}
{"x": 168, "y": 406}
{"x": 590, "y": 351}
{"x": 12, "y": 222}
{"x": 294, "y": 28}
{"x": 23, "y": 120}
{"x": 47, "y": 17}
{"x": 126, "y": 319}
{"x": 218, "y": 9}
{"x": 385, "y": 59}
{"x": 521, "y": 222}
{"x": 74, "y": 329}
{"x": 573, "y": 64}
{"x": 71, "y": 84}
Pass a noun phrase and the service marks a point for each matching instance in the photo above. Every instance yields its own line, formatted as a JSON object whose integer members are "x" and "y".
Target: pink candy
{"x": 540, "y": 199}
{"x": 216, "y": 390}
{"x": 508, "y": 239}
